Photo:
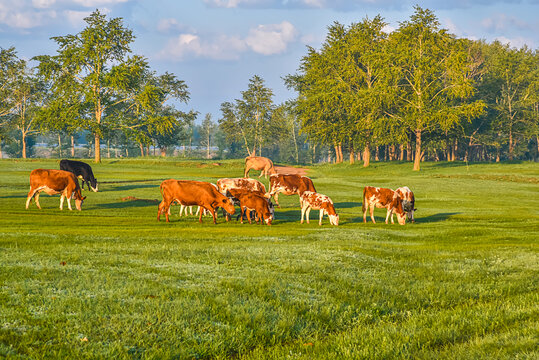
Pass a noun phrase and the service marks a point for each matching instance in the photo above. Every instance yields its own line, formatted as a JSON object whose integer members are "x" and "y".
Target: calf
{"x": 316, "y": 201}
{"x": 189, "y": 193}
{"x": 408, "y": 202}
{"x": 82, "y": 171}
{"x": 289, "y": 184}
{"x": 259, "y": 163}
{"x": 55, "y": 182}
{"x": 383, "y": 198}
{"x": 251, "y": 201}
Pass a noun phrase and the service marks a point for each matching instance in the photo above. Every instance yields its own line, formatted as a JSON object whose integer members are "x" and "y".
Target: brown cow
{"x": 187, "y": 192}
{"x": 408, "y": 202}
{"x": 55, "y": 182}
{"x": 289, "y": 184}
{"x": 259, "y": 163}
{"x": 383, "y": 198}
{"x": 316, "y": 201}
{"x": 240, "y": 183}
{"x": 252, "y": 201}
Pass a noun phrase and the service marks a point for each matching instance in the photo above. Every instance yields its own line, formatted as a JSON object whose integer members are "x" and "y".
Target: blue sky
{"x": 216, "y": 46}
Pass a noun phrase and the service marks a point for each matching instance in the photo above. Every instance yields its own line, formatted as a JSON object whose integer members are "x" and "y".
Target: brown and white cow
{"x": 252, "y": 201}
{"x": 383, "y": 198}
{"x": 55, "y": 182}
{"x": 247, "y": 184}
{"x": 289, "y": 184}
{"x": 259, "y": 163}
{"x": 188, "y": 192}
{"x": 408, "y": 202}
{"x": 316, "y": 201}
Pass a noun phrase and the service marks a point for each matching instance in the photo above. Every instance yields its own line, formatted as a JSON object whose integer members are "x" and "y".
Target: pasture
{"x": 112, "y": 282}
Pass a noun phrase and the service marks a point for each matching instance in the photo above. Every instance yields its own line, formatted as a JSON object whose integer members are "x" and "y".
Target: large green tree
{"x": 95, "y": 64}
{"x": 249, "y": 119}
{"x": 429, "y": 73}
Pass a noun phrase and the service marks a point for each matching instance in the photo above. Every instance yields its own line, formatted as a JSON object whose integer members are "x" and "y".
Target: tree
{"x": 95, "y": 64}
{"x": 249, "y": 118}
{"x": 430, "y": 82}
{"x": 206, "y": 131}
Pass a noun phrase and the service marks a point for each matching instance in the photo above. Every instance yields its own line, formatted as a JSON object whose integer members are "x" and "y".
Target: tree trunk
{"x": 352, "y": 155}
{"x": 108, "y": 148}
{"x": 401, "y": 152}
{"x": 366, "y": 156}
{"x": 126, "y": 152}
{"x": 510, "y": 144}
{"x": 1, "y": 155}
{"x": 409, "y": 151}
{"x": 141, "y": 149}
{"x": 59, "y": 145}
{"x": 163, "y": 151}
{"x": 72, "y": 146}
{"x": 23, "y": 145}
{"x": 97, "y": 147}
{"x": 336, "y": 153}
{"x": 376, "y": 153}
{"x": 418, "y": 154}
{"x": 498, "y": 155}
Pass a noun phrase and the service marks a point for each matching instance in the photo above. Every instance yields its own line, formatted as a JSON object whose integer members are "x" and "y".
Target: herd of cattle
{"x": 249, "y": 194}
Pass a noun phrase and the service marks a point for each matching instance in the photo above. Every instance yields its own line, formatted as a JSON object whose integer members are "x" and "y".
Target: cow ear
{"x": 84, "y": 198}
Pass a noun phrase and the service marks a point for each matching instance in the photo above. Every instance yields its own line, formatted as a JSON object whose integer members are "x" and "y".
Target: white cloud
{"x": 516, "y": 42}
{"x": 271, "y": 39}
{"x": 388, "y": 29}
{"x": 264, "y": 39}
{"x": 98, "y": 3}
{"x": 503, "y": 22}
{"x": 20, "y": 16}
{"x": 170, "y": 24}
{"x": 235, "y": 3}
{"x": 43, "y": 4}
{"x": 189, "y": 45}
{"x": 76, "y": 18}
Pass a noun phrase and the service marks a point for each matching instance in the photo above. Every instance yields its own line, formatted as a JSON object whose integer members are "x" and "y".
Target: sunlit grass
{"x": 112, "y": 282}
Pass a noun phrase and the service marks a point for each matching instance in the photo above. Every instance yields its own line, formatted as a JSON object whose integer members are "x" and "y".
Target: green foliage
{"x": 111, "y": 282}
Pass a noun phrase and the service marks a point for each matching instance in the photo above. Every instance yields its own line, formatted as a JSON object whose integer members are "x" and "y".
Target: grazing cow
{"x": 408, "y": 202}
{"x": 240, "y": 183}
{"x": 187, "y": 193}
{"x": 289, "y": 184}
{"x": 81, "y": 170}
{"x": 251, "y": 201}
{"x": 383, "y": 198}
{"x": 55, "y": 182}
{"x": 316, "y": 201}
{"x": 259, "y": 163}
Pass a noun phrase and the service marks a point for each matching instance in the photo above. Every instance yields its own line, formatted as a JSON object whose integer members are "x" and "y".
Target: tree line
{"x": 417, "y": 93}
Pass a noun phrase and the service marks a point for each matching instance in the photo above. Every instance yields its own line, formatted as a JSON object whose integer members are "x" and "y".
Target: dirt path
{"x": 290, "y": 170}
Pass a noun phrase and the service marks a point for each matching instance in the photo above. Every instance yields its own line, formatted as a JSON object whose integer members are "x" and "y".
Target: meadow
{"x": 112, "y": 282}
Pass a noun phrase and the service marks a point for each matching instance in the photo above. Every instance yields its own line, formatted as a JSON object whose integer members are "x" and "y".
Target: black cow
{"x": 82, "y": 171}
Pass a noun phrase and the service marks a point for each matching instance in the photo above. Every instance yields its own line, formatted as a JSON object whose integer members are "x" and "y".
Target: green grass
{"x": 112, "y": 282}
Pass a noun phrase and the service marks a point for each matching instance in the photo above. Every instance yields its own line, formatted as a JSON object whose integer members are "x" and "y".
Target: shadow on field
{"x": 14, "y": 196}
{"x": 347, "y": 205}
{"x": 289, "y": 215}
{"x": 129, "y": 187}
{"x": 435, "y": 217}
{"x": 128, "y": 203}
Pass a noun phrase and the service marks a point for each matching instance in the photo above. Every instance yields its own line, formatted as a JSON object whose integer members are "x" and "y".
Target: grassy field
{"x": 112, "y": 282}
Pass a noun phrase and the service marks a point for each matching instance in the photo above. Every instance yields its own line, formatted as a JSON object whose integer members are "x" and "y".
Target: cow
{"x": 240, "y": 183}
{"x": 259, "y": 163}
{"x": 188, "y": 192}
{"x": 289, "y": 184}
{"x": 55, "y": 182}
{"x": 383, "y": 198}
{"x": 251, "y": 201}
{"x": 408, "y": 202}
{"x": 316, "y": 201}
{"x": 81, "y": 170}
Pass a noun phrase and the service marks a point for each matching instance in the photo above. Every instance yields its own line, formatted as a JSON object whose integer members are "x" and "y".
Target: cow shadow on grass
{"x": 129, "y": 203}
{"x": 346, "y": 205}
{"x": 419, "y": 220}
{"x": 288, "y": 215}
{"x": 126, "y": 187}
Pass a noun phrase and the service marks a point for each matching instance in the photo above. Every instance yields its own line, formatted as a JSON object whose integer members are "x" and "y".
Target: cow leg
{"x": 261, "y": 173}
{"x": 372, "y": 213}
{"x": 303, "y": 209}
{"x": 69, "y": 203}
{"x": 365, "y": 207}
{"x": 308, "y": 214}
{"x": 31, "y": 194}
{"x": 276, "y": 197}
{"x": 321, "y": 216}
{"x": 167, "y": 210}
{"x": 214, "y": 215}
{"x": 388, "y": 214}
{"x": 246, "y": 174}
{"x": 248, "y": 212}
